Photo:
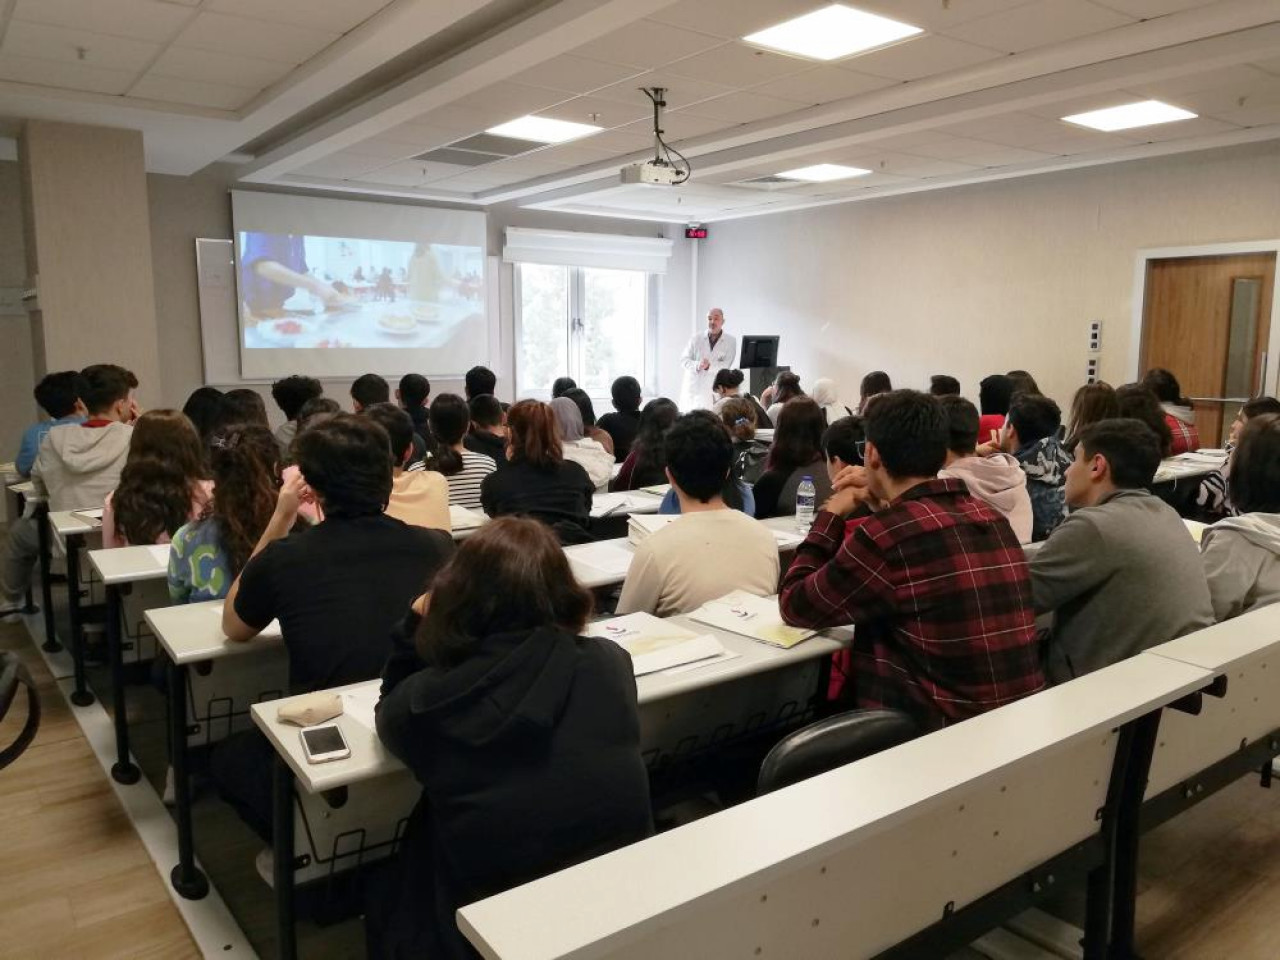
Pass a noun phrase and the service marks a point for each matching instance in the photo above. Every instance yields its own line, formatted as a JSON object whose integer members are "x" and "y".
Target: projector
{"x": 653, "y": 172}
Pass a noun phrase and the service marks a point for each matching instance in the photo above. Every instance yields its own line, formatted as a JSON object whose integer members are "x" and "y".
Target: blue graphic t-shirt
{"x": 199, "y": 568}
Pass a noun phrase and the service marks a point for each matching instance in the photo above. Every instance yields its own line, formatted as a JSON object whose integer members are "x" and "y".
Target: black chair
{"x": 14, "y": 674}
{"x": 832, "y": 743}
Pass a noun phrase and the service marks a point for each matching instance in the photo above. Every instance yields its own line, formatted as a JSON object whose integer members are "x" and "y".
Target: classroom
{"x": 548, "y": 479}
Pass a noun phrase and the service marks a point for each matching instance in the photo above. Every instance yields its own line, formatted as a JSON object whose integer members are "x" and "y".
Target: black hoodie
{"x": 529, "y": 758}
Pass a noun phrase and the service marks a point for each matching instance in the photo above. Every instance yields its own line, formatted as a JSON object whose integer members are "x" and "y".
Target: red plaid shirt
{"x": 1186, "y": 439}
{"x": 941, "y": 595}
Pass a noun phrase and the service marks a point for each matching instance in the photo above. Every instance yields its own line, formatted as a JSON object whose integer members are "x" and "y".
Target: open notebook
{"x": 656, "y": 644}
{"x": 751, "y": 616}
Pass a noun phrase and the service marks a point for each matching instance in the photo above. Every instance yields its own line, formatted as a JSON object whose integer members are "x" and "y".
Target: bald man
{"x": 706, "y": 354}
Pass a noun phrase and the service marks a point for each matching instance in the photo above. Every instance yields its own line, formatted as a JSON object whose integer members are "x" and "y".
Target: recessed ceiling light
{"x": 1125, "y": 117}
{"x": 832, "y": 32}
{"x": 543, "y": 129}
{"x": 823, "y": 172}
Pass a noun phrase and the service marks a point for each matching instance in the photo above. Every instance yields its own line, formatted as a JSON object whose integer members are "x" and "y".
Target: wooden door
{"x": 1187, "y": 328}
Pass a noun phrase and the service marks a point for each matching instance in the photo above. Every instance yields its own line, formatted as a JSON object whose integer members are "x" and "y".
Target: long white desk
{"x": 1186, "y": 466}
{"x": 73, "y": 530}
{"x": 369, "y": 761}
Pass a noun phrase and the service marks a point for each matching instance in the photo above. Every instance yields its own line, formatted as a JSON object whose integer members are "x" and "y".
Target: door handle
{"x": 1219, "y": 399}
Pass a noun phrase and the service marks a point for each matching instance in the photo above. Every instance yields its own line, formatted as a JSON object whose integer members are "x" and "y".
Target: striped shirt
{"x": 464, "y": 486}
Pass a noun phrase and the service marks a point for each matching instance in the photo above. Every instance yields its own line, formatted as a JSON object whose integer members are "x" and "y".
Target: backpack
{"x": 13, "y": 674}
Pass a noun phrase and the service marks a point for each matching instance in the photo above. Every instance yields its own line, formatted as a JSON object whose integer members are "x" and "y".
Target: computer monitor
{"x": 759, "y": 352}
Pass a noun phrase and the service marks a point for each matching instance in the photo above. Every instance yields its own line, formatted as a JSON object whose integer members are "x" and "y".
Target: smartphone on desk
{"x": 324, "y": 742}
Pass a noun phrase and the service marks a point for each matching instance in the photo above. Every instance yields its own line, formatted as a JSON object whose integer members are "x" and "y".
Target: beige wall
{"x": 17, "y": 409}
{"x": 980, "y": 279}
{"x": 91, "y": 245}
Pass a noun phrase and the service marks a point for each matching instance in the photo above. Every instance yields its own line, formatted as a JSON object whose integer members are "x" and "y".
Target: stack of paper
{"x": 460, "y": 518}
{"x": 641, "y": 526}
{"x": 605, "y": 560}
{"x": 656, "y": 644}
{"x": 92, "y": 516}
{"x": 752, "y": 616}
{"x": 788, "y": 539}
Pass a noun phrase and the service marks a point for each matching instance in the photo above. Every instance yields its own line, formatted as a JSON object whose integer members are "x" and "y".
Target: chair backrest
{"x": 14, "y": 674}
{"x": 832, "y": 743}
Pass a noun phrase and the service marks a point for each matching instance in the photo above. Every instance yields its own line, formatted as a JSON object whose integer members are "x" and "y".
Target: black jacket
{"x": 559, "y": 496}
{"x": 528, "y": 754}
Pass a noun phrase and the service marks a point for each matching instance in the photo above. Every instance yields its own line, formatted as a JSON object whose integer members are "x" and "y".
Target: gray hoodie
{"x": 1118, "y": 577}
{"x": 1242, "y": 562}
{"x": 999, "y": 481}
{"x": 78, "y": 466}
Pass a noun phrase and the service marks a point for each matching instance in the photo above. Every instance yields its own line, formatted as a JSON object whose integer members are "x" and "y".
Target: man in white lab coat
{"x": 705, "y": 356}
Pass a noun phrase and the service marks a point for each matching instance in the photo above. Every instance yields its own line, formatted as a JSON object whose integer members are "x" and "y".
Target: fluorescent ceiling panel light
{"x": 543, "y": 129}
{"x": 832, "y": 32}
{"x": 824, "y": 172}
{"x": 1144, "y": 114}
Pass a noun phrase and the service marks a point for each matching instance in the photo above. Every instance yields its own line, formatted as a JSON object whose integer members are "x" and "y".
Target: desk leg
{"x": 51, "y": 644}
{"x": 1128, "y": 833}
{"x": 123, "y": 770}
{"x": 282, "y": 849}
{"x": 188, "y": 879}
{"x": 81, "y": 696}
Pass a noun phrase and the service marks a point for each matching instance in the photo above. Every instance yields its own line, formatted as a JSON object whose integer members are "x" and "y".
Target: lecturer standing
{"x": 706, "y": 354}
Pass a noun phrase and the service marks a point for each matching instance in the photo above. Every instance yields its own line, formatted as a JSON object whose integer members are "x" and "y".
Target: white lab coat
{"x": 695, "y": 393}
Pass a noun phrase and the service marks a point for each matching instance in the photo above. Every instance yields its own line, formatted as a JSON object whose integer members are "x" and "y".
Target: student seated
{"x": 796, "y": 453}
{"x": 1242, "y": 553}
{"x": 589, "y": 428}
{"x": 934, "y": 638}
{"x": 728, "y": 387}
{"x": 480, "y": 381}
{"x": 337, "y": 588}
{"x": 1178, "y": 413}
{"x": 994, "y": 394}
{"x": 1137, "y": 402}
{"x": 785, "y": 388}
{"x": 561, "y": 386}
{"x": 749, "y": 454}
{"x": 290, "y": 394}
{"x": 873, "y": 384}
{"x": 712, "y": 549}
{"x": 368, "y": 389}
{"x": 577, "y": 446}
{"x": 1121, "y": 573}
{"x": 524, "y": 734}
{"x": 1092, "y": 403}
{"x": 827, "y": 396}
{"x": 997, "y": 480}
{"x": 844, "y": 444}
{"x": 464, "y": 470}
{"x": 1212, "y": 496}
{"x": 944, "y": 385}
{"x": 163, "y": 485}
{"x": 488, "y": 429}
{"x": 538, "y": 481}
{"x": 1031, "y": 435}
{"x": 418, "y": 497}
{"x": 242, "y": 406}
{"x": 412, "y": 394}
{"x": 208, "y": 553}
{"x": 646, "y": 464}
{"x": 623, "y": 423}
{"x": 204, "y": 409}
{"x": 58, "y": 395}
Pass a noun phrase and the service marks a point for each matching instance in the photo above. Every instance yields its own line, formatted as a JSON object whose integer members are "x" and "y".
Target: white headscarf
{"x": 826, "y": 396}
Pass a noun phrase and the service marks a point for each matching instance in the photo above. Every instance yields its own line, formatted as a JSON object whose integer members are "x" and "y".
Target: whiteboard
{"x": 220, "y": 324}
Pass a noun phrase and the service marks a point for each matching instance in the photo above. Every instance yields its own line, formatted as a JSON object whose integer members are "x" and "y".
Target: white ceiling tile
{"x": 680, "y": 91}
{"x": 922, "y": 168}
{"x": 1070, "y": 106}
{"x": 1039, "y": 23}
{"x": 420, "y": 135}
{"x": 924, "y": 56}
{"x": 733, "y": 19}
{"x": 1146, "y": 9}
{"x": 934, "y": 15}
{"x": 738, "y": 65}
{"x": 647, "y": 44}
{"x": 337, "y": 16}
{"x": 139, "y": 19}
{"x": 1073, "y": 141}
{"x": 632, "y": 139}
{"x": 1242, "y": 77}
{"x": 907, "y": 142}
{"x": 743, "y": 107}
{"x": 509, "y": 99}
{"x": 575, "y": 74}
{"x": 1181, "y": 130}
{"x": 823, "y": 85}
{"x": 952, "y": 148}
{"x": 186, "y": 63}
{"x": 343, "y": 165}
{"x": 577, "y": 153}
{"x": 44, "y": 42}
{"x": 997, "y": 156}
{"x": 1257, "y": 115}
{"x": 602, "y": 113}
{"x": 65, "y": 76}
{"x": 678, "y": 126}
{"x": 387, "y": 149}
{"x": 219, "y": 96}
{"x": 899, "y": 164}
{"x": 1010, "y": 130}
{"x": 255, "y": 38}
{"x": 404, "y": 173}
{"x": 1245, "y": 87}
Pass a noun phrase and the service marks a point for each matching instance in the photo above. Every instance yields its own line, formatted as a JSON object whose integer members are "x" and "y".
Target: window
{"x": 589, "y": 323}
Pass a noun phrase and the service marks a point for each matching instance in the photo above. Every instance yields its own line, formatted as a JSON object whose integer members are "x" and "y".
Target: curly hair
{"x": 160, "y": 477}
{"x": 246, "y": 478}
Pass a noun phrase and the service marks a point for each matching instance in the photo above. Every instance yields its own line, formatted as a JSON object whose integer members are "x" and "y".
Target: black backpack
{"x": 14, "y": 674}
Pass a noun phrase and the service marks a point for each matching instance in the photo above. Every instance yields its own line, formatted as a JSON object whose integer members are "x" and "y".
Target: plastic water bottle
{"x": 806, "y": 495}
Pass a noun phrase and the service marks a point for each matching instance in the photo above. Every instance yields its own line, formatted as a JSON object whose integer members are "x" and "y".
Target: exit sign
{"x": 695, "y": 233}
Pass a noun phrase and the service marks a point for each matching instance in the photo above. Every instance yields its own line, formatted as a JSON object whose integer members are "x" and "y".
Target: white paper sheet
{"x": 755, "y": 617}
{"x": 359, "y": 704}
{"x": 656, "y": 644}
{"x": 460, "y": 518}
{"x": 608, "y": 557}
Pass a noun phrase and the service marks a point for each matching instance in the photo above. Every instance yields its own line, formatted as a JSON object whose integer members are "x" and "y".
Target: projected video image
{"x": 339, "y": 293}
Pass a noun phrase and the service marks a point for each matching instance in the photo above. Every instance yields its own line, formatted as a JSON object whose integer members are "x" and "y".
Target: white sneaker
{"x": 265, "y": 862}
{"x": 168, "y": 797}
